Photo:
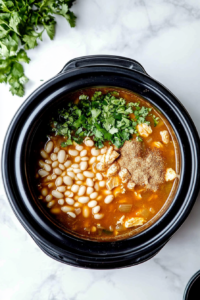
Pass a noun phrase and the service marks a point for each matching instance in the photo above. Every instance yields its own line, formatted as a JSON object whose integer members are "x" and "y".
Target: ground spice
{"x": 145, "y": 165}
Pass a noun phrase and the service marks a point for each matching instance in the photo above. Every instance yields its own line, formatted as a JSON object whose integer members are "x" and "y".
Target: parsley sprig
{"x": 105, "y": 117}
{"x": 22, "y": 23}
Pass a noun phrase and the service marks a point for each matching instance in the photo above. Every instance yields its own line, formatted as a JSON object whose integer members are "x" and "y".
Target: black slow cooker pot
{"x": 101, "y": 70}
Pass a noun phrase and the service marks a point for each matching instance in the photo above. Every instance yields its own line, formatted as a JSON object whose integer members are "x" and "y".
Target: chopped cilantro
{"x": 103, "y": 117}
{"x": 155, "y": 120}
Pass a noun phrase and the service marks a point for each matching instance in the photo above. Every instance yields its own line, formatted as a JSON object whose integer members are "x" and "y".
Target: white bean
{"x": 109, "y": 199}
{"x": 99, "y": 157}
{"x": 77, "y": 204}
{"x": 54, "y": 156}
{"x": 50, "y": 204}
{"x": 89, "y": 142}
{"x": 92, "y": 160}
{"x": 62, "y": 167}
{"x": 107, "y": 192}
{"x": 56, "y": 149}
{"x": 95, "y": 152}
{"x": 67, "y": 163}
{"x": 47, "y": 167}
{"x": 77, "y": 171}
{"x": 79, "y": 182}
{"x": 83, "y": 165}
{"x": 57, "y": 194}
{"x": 61, "y": 189}
{"x": 83, "y": 153}
{"x": 98, "y": 216}
{"x": 99, "y": 176}
{"x": 61, "y": 156}
{"x": 96, "y": 209}
{"x": 67, "y": 193}
{"x": 88, "y": 174}
{"x": 67, "y": 208}
{"x": 48, "y": 147}
{"x": 89, "y": 182}
{"x": 102, "y": 183}
{"x": 44, "y": 192}
{"x": 73, "y": 152}
{"x": 67, "y": 180}
{"x": 90, "y": 190}
{"x": 80, "y": 176}
{"x": 71, "y": 174}
{"x": 75, "y": 188}
{"x": 77, "y": 211}
{"x": 49, "y": 178}
{"x": 75, "y": 166}
{"x": 77, "y": 159}
{"x": 43, "y": 173}
{"x": 59, "y": 181}
{"x": 83, "y": 199}
{"x": 86, "y": 212}
{"x": 48, "y": 161}
{"x": 96, "y": 186}
{"x": 85, "y": 158}
{"x": 104, "y": 150}
{"x": 82, "y": 190}
{"x": 61, "y": 201}
{"x": 57, "y": 171}
{"x": 50, "y": 185}
{"x": 48, "y": 198}
{"x": 79, "y": 147}
{"x": 92, "y": 203}
{"x": 94, "y": 195}
{"x": 71, "y": 214}
{"x": 41, "y": 163}
{"x": 43, "y": 154}
{"x": 69, "y": 201}
{"x": 54, "y": 164}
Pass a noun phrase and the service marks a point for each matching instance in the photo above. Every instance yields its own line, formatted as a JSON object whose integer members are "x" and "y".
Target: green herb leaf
{"x": 19, "y": 23}
{"x": 104, "y": 118}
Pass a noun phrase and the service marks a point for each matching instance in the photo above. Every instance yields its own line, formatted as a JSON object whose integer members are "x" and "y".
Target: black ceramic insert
{"x": 79, "y": 73}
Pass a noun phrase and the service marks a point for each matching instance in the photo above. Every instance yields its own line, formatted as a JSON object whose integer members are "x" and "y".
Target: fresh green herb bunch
{"x": 22, "y": 23}
{"x": 105, "y": 117}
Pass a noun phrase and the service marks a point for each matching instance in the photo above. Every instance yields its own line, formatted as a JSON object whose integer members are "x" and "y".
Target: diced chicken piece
{"x": 114, "y": 168}
{"x": 111, "y": 156}
{"x": 119, "y": 190}
{"x": 121, "y": 220}
{"x": 131, "y": 185}
{"x": 144, "y": 130}
{"x": 134, "y": 222}
{"x": 165, "y": 136}
{"x": 124, "y": 175}
{"x": 170, "y": 174}
{"x": 101, "y": 166}
{"x": 157, "y": 144}
{"x": 112, "y": 182}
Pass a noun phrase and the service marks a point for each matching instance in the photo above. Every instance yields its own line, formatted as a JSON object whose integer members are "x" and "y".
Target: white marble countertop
{"x": 163, "y": 35}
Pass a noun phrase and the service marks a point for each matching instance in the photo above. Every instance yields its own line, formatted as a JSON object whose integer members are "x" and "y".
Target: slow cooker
{"x": 94, "y": 71}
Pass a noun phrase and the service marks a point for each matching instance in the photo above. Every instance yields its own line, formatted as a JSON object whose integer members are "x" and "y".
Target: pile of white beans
{"x": 71, "y": 179}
